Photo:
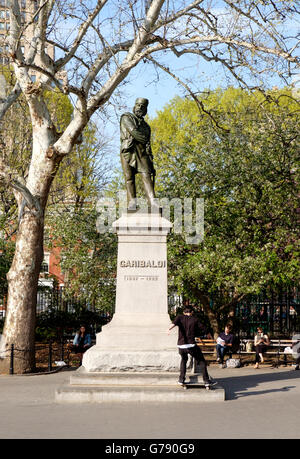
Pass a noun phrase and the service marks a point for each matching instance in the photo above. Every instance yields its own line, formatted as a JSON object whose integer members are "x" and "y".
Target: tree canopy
{"x": 246, "y": 171}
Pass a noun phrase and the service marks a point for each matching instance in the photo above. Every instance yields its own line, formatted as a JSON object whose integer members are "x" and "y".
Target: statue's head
{"x": 140, "y": 107}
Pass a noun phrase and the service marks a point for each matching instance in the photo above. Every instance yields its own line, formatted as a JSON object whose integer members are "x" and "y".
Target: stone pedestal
{"x": 136, "y": 338}
{"x": 134, "y": 359}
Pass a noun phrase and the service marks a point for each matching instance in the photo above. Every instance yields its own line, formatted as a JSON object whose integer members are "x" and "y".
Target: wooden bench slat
{"x": 275, "y": 348}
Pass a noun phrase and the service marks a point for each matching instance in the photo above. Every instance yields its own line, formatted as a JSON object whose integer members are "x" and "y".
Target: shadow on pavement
{"x": 238, "y": 386}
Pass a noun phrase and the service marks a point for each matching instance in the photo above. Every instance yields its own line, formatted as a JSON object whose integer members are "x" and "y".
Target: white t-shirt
{"x": 259, "y": 336}
{"x": 186, "y": 346}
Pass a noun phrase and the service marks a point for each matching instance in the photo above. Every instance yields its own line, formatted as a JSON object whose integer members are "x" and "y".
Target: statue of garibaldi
{"x": 136, "y": 154}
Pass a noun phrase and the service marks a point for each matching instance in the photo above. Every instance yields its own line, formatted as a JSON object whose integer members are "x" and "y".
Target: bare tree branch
{"x": 81, "y": 33}
{"x": 199, "y": 103}
{"x": 6, "y": 103}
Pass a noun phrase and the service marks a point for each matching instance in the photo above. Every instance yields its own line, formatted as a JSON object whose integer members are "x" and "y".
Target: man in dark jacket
{"x": 189, "y": 328}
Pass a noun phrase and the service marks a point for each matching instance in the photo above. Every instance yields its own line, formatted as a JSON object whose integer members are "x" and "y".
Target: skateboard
{"x": 199, "y": 384}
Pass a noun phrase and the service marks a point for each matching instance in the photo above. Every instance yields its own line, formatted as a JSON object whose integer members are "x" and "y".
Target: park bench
{"x": 275, "y": 349}
{"x": 208, "y": 347}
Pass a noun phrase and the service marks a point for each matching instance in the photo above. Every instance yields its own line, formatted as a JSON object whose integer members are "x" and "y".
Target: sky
{"x": 160, "y": 88}
{"x": 144, "y": 82}
{"x": 142, "y": 79}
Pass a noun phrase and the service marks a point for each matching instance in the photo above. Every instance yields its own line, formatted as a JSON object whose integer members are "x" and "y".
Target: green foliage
{"x": 87, "y": 257}
{"x": 54, "y": 324}
{"x": 246, "y": 171}
{"x": 80, "y": 175}
{"x": 16, "y": 141}
{"x": 60, "y": 108}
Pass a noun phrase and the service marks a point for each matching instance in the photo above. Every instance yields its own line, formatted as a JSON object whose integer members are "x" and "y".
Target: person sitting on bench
{"x": 261, "y": 342}
{"x": 224, "y": 344}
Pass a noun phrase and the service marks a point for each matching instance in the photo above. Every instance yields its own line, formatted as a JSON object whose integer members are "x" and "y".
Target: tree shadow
{"x": 238, "y": 386}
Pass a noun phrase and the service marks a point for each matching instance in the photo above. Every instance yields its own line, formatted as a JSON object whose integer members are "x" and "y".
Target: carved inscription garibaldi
{"x": 136, "y": 153}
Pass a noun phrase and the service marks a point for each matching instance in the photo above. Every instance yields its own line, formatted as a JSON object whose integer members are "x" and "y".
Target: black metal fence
{"x": 48, "y": 356}
{"x": 56, "y": 298}
{"x": 50, "y": 298}
{"x": 277, "y": 312}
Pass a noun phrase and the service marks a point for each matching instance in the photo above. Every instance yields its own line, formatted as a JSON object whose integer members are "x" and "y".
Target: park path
{"x": 262, "y": 403}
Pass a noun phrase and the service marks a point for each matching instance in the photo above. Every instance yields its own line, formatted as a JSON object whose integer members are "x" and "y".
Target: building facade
{"x": 29, "y": 15}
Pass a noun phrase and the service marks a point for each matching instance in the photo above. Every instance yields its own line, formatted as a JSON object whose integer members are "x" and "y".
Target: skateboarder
{"x": 189, "y": 328}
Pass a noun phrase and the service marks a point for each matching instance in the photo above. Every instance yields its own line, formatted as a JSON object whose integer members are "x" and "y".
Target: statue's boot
{"x": 131, "y": 194}
{"x": 149, "y": 190}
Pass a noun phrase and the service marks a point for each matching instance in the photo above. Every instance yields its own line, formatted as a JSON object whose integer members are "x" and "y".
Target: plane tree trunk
{"x": 22, "y": 295}
{"x": 19, "y": 328}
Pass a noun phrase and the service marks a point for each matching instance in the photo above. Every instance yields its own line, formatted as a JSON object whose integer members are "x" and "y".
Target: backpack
{"x": 233, "y": 363}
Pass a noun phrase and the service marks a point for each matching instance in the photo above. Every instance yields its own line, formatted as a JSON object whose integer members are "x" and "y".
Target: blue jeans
{"x": 221, "y": 351}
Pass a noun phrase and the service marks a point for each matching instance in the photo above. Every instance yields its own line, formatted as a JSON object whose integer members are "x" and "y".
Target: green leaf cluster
{"x": 87, "y": 258}
{"x": 242, "y": 157}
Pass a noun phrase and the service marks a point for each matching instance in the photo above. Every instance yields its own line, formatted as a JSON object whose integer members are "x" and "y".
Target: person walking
{"x": 189, "y": 328}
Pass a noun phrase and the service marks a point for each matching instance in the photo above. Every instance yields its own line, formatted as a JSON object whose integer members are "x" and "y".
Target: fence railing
{"x": 55, "y": 298}
{"x": 278, "y": 313}
{"x": 46, "y": 354}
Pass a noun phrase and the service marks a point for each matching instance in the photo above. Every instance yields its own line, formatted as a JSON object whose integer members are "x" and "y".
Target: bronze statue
{"x": 136, "y": 153}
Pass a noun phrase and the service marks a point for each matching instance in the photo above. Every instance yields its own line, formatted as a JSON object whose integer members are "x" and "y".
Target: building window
{"x": 45, "y": 264}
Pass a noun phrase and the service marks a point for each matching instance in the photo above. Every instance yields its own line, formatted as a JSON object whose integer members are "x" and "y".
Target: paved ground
{"x": 262, "y": 403}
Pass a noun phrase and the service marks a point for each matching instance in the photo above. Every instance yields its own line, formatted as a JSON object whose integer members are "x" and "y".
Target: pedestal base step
{"x": 135, "y": 387}
{"x": 127, "y": 378}
{"x": 108, "y": 394}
